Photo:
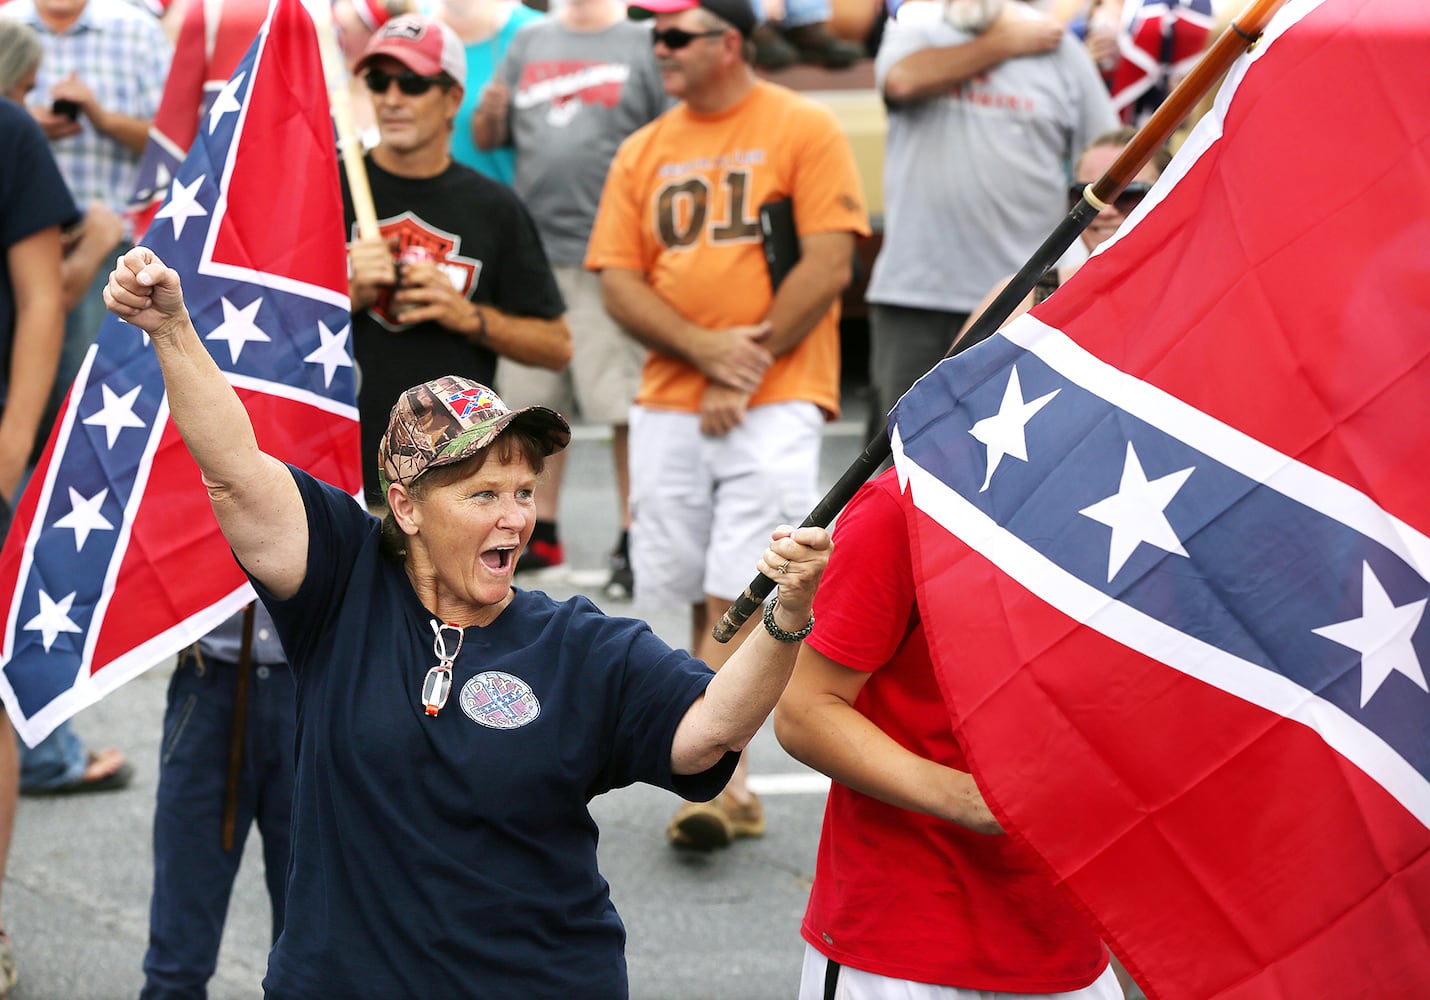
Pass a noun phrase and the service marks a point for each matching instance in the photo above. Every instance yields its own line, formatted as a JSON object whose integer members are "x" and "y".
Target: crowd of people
{"x": 573, "y": 210}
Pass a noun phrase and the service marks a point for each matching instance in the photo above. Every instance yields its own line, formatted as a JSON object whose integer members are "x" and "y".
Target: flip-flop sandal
{"x": 119, "y": 778}
{"x": 8, "y": 977}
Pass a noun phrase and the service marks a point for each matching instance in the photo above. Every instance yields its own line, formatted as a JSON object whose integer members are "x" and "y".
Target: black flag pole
{"x": 1239, "y": 36}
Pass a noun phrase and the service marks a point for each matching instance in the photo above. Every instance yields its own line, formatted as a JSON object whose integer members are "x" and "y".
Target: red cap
{"x": 422, "y": 44}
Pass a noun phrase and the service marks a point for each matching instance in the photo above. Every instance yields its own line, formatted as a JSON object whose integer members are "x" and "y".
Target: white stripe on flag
{"x": 1156, "y": 639}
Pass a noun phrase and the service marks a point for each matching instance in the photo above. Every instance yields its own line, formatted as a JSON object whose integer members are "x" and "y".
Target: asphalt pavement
{"x": 722, "y": 926}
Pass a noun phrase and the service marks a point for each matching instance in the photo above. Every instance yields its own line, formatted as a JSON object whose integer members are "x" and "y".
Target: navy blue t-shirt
{"x": 33, "y": 197}
{"x": 455, "y": 856}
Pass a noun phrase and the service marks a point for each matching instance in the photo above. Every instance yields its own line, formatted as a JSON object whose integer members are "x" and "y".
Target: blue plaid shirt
{"x": 121, "y": 54}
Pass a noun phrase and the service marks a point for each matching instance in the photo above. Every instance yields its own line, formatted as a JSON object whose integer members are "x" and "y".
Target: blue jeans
{"x": 58, "y": 759}
{"x": 193, "y": 874}
{"x": 801, "y": 12}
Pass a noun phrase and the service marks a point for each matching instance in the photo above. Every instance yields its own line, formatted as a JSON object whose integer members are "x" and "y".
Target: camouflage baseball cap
{"x": 450, "y": 419}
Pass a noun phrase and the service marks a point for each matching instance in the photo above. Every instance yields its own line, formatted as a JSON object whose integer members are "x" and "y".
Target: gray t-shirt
{"x": 976, "y": 179}
{"x": 575, "y": 97}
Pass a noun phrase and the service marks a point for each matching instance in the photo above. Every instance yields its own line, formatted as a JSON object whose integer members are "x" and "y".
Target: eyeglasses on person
{"x": 410, "y": 83}
{"x": 1125, "y": 202}
{"x": 679, "y": 38}
{"x": 437, "y": 685}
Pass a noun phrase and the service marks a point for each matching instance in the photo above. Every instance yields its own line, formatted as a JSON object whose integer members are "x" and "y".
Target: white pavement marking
{"x": 798, "y": 783}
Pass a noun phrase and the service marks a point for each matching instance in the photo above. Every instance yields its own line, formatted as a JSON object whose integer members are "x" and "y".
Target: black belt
{"x": 831, "y": 978}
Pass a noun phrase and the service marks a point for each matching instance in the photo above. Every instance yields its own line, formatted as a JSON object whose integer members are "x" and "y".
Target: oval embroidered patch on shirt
{"x": 499, "y": 701}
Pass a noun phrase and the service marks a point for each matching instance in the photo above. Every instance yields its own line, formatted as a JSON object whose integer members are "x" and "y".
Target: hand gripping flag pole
{"x": 1237, "y": 39}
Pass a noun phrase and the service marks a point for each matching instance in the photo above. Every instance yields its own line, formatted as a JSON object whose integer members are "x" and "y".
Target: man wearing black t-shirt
{"x": 458, "y": 275}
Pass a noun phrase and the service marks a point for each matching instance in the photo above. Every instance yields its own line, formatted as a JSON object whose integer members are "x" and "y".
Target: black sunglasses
{"x": 679, "y": 38}
{"x": 1125, "y": 202}
{"x": 410, "y": 83}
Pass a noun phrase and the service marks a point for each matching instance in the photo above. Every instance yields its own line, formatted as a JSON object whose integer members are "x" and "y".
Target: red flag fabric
{"x": 213, "y": 37}
{"x": 114, "y": 561}
{"x": 1171, "y": 539}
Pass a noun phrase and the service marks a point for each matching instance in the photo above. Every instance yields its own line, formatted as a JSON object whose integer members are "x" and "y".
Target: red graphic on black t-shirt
{"x": 407, "y": 231}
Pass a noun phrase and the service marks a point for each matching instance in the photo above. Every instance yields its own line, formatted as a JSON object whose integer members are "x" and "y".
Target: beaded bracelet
{"x": 780, "y": 633}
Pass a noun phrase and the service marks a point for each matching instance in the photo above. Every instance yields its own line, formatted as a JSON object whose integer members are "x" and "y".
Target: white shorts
{"x": 703, "y": 506}
{"x": 856, "y": 984}
{"x": 605, "y": 369}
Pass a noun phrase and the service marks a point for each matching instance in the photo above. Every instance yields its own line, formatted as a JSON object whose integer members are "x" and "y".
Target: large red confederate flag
{"x": 1171, "y": 539}
{"x": 114, "y": 561}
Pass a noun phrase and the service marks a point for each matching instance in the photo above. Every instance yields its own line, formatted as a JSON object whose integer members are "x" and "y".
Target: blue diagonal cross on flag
{"x": 1171, "y": 538}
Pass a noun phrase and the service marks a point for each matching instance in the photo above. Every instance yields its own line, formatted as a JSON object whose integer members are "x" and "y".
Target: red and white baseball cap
{"x": 422, "y": 44}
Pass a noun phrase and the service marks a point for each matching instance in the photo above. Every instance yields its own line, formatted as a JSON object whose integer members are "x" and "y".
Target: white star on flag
{"x": 116, "y": 414}
{"x": 1004, "y": 432}
{"x": 225, "y": 102}
{"x": 1135, "y": 513}
{"x": 84, "y": 516}
{"x": 183, "y": 205}
{"x": 332, "y": 354}
{"x": 53, "y": 619}
{"x": 1382, "y": 636}
{"x": 238, "y": 327}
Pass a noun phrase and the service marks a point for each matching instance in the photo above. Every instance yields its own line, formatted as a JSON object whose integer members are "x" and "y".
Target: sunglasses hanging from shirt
{"x": 438, "y": 683}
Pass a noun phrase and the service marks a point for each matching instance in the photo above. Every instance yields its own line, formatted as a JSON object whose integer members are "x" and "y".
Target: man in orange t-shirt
{"x": 725, "y": 431}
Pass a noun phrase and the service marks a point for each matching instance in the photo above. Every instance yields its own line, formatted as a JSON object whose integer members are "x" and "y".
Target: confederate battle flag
{"x": 115, "y": 561}
{"x": 1158, "y": 42}
{"x": 1172, "y": 533}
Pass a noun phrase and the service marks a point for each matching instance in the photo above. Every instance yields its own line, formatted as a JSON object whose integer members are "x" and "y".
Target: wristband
{"x": 780, "y": 633}
{"x": 480, "y": 335}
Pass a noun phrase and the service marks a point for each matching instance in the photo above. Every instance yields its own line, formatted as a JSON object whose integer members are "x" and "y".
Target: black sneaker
{"x": 622, "y": 584}
{"x": 542, "y": 562}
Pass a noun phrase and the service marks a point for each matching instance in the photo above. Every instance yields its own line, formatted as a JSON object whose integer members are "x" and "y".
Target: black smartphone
{"x": 67, "y": 109}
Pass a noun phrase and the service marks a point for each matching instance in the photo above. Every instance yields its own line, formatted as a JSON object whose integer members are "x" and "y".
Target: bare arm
{"x": 735, "y": 356}
{"x": 930, "y": 72}
{"x": 253, "y": 494}
{"x": 545, "y": 343}
{"x": 817, "y": 723}
{"x": 490, "y": 128}
{"x": 428, "y": 294}
{"x": 34, "y": 265}
{"x": 823, "y": 272}
{"x": 131, "y": 133}
{"x": 99, "y": 234}
{"x": 740, "y": 698}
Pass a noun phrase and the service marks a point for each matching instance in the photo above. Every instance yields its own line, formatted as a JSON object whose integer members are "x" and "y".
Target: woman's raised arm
{"x": 253, "y": 494}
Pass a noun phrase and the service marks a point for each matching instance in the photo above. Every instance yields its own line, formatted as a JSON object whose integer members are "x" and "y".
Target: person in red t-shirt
{"x": 917, "y": 893}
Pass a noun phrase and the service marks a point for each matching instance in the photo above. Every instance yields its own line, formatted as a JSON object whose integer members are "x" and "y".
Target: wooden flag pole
{"x": 349, "y": 143}
{"x": 1236, "y": 39}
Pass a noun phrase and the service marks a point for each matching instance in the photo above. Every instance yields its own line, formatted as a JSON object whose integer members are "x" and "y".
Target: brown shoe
{"x": 820, "y": 48}
{"x": 700, "y": 826}
{"x": 748, "y": 820}
{"x": 704, "y": 826}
